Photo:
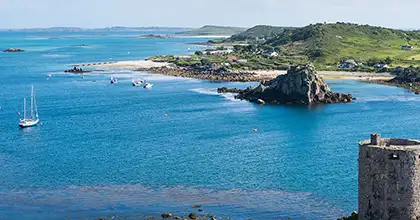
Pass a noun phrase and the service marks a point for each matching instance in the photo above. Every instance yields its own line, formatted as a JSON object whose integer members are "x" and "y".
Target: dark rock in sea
{"x": 13, "y": 50}
{"x": 167, "y": 215}
{"x": 193, "y": 216}
{"x": 228, "y": 90}
{"x": 301, "y": 85}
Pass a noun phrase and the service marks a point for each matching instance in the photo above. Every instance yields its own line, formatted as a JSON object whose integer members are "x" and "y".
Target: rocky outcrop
{"x": 228, "y": 90}
{"x": 301, "y": 85}
{"x": 13, "y": 50}
{"x": 404, "y": 77}
{"x": 407, "y": 75}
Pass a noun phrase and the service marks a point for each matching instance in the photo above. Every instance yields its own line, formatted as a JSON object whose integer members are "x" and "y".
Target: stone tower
{"x": 389, "y": 179}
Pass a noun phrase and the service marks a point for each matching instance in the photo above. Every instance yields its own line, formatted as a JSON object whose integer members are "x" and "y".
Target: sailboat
{"x": 33, "y": 119}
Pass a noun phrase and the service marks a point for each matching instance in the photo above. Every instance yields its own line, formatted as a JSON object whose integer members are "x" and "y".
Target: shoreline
{"x": 170, "y": 69}
{"x": 410, "y": 87}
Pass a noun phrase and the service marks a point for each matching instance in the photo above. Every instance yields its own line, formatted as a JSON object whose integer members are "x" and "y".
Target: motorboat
{"x": 147, "y": 85}
{"x": 114, "y": 80}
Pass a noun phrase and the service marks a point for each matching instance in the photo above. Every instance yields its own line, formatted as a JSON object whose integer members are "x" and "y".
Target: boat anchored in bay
{"x": 33, "y": 119}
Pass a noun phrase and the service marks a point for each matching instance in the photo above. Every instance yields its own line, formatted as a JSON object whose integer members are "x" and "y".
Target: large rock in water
{"x": 301, "y": 85}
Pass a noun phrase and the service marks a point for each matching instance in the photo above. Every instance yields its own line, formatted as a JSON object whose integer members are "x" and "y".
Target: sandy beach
{"x": 127, "y": 64}
{"x": 331, "y": 75}
{"x": 259, "y": 74}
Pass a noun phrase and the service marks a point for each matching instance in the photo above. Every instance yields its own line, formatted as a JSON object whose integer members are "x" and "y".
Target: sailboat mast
{"x": 36, "y": 108}
{"x": 24, "y": 108}
{"x": 32, "y": 102}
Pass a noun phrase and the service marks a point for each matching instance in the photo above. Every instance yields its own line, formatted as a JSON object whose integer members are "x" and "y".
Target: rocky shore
{"x": 13, "y": 50}
{"x": 301, "y": 85}
{"x": 168, "y": 215}
{"x": 408, "y": 78}
{"x": 208, "y": 74}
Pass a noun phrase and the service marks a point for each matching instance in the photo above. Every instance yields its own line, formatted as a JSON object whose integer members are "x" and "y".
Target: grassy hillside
{"x": 213, "y": 30}
{"x": 259, "y": 32}
{"x": 326, "y": 44}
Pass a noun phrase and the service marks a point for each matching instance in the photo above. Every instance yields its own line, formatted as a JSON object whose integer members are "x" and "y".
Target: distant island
{"x": 155, "y": 36}
{"x": 211, "y": 30}
{"x": 110, "y": 29}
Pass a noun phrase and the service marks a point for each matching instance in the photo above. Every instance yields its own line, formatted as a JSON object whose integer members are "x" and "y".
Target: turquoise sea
{"x": 108, "y": 150}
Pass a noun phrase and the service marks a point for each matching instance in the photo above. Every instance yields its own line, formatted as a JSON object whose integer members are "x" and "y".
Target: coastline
{"x": 411, "y": 87}
{"x": 170, "y": 69}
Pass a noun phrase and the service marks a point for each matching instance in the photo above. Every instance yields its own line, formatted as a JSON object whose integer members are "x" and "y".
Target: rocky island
{"x": 13, "y": 50}
{"x": 300, "y": 85}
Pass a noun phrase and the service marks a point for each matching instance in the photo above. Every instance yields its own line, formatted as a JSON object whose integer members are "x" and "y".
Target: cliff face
{"x": 301, "y": 85}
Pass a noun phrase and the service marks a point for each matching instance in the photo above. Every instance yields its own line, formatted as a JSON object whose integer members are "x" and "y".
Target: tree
{"x": 198, "y": 53}
{"x": 388, "y": 60}
{"x": 237, "y": 48}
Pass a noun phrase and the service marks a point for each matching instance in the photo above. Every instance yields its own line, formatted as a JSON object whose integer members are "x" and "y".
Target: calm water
{"x": 107, "y": 150}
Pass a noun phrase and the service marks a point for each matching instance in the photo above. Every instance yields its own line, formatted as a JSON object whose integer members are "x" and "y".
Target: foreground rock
{"x": 13, "y": 50}
{"x": 301, "y": 85}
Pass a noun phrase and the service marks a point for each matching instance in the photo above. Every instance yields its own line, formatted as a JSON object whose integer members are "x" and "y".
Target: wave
{"x": 36, "y": 38}
{"x": 55, "y": 55}
{"x": 228, "y": 96}
{"x": 390, "y": 98}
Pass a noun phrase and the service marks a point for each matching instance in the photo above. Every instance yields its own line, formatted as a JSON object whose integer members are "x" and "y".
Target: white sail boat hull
{"x": 26, "y": 123}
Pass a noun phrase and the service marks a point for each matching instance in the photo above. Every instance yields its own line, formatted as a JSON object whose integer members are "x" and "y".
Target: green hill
{"x": 328, "y": 43}
{"x": 257, "y": 33}
{"x": 209, "y": 30}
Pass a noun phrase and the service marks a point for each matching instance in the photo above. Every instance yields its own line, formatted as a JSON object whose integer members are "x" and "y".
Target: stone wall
{"x": 389, "y": 179}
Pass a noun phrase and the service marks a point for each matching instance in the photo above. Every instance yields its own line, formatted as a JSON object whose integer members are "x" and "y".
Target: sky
{"x": 196, "y": 13}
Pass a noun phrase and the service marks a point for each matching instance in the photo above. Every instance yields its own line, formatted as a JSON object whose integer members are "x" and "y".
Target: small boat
{"x": 49, "y": 75}
{"x": 137, "y": 83}
{"x": 147, "y": 85}
{"x": 114, "y": 80}
{"x": 33, "y": 119}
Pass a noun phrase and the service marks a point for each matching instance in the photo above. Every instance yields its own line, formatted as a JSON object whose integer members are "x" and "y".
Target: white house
{"x": 347, "y": 64}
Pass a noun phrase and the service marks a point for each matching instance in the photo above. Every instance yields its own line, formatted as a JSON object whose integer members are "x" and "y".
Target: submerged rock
{"x": 301, "y": 85}
{"x": 11, "y": 50}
